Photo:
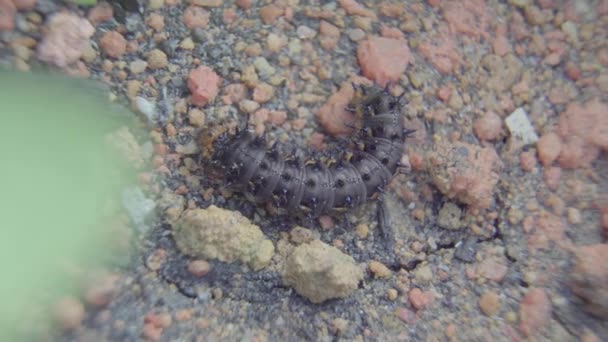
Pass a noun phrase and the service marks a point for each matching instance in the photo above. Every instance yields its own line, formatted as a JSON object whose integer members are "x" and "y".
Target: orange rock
{"x": 534, "y": 311}
{"x": 352, "y": 7}
{"x": 203, "y": 83}
{"x": 444, "y": 93}
{"x": 489, "y": 303}
{"x": 100, "y": 13}
{"x": 419, "y": 299}
{"x": 25, "y": 5}
{"x": 488, "y": 127}
{"x": 549, "y": 147}
{"x": 113, "y": 44}
{"x": 195, "y": 16}
{"x": 590, "y": 278}
{"x": 527, "y": 160}
{"x": 270, "y": 13}
{"x": 278, "y": 117}
{"x": 584, "y": 127}
{"x": 7, "y": 15}
{"x": 66, "y": 39}
{"x": 156, "y": 21}
{"x": 244, "y": 4}
{"x": 391, "y": 32}
{"x": 552, "y": 176}
{"x": 382, "y": 59}
{"x": 467, "y": 17}
{"x": 465, "y": 172}
{"x": 442, "y": 53}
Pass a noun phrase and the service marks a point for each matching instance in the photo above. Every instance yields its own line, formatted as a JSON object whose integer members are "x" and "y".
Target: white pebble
{"x": 147, "y": 108}
{"x": 520, "y": 127}
{"x": 138, "y": 206}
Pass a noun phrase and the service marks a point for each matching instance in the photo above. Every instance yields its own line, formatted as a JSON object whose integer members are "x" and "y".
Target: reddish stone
{"x": 25, "y": 5}
{"x": 66, "y": 40}
{"x": 468, "y": 17}
{"x": 546, "y": 4}
{"x": 534, "y": 312}
{"x": 391, "y": 32}
{"x": 352, "y": 7}
{"x": 419, "y": 299}
{"x": 151, "y": 332}
{"x": 317, "y": 141}
{"x": 327, "y": 29}
{"x": 391, "y": 10}
{"x": 549, "y": 147}
{"x": 572, "y": 71}
{"x": 492, "y": 269}
{"x": 584, "y": 127}
{"x": 270, "y": 14}
{"x": 382, "y": 59}
{"x": 244, "y": 4}
{"x": 195, "y": 16}
{"x": 406, "y": 315}
{"x": 465, "y": 172}
{"x": 602, "y": 7}
{"x": 576, "y": 153}
{"x": 278, "y": 117}
{"x": 552, "y": 176}
{"x": 100, "y": 13}
{"x": 434, "y": 3}
{"x": 527, "y": 160}
{"x": 229, "y": 15}
{"x": 590, "y": 278}
{"x": 156, "y": 21}
{"x": 442, "y": 53}
{"x": 113, "y": 44}
{"x": 488, "y": 127}
{"x": 501, "y": 46}
{"x": 203, "y": 83}
{"x": 333, "y": 116}
{"x": 7, "y": 15}
{"x": 444, "y": 93}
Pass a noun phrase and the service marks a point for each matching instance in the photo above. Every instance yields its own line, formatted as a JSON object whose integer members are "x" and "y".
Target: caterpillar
{"x": 317, "y": 185}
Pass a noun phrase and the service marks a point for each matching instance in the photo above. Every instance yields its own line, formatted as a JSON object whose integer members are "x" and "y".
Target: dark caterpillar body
{"x": 318, "y": 186}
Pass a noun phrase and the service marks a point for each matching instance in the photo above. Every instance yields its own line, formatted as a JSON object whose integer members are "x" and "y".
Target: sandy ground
{"x": 499, "y": 226}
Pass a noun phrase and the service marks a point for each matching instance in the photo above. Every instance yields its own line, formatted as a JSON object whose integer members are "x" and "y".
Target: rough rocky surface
{"x": 216, "y": 233}
{"x": 465, "y": 172}
{"x": 590, "y": 278}
{"x": 66, "y": 39}
{"x": 320, "y": 272}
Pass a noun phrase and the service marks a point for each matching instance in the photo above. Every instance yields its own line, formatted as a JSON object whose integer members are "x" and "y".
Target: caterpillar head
{"x": 214, "y": 140}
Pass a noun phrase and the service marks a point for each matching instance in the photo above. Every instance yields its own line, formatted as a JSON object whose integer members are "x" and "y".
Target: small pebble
{"x": 489, "y": 303}
{"x": 157, "y": 59}
{"x": 379, "y": 270}
{"x": 199, "y": 268}
{"x": 113, "y": 44}
{"x": 138, "y": 66}
{"x": 196, "y": 117}
{"x": 392, "y": 294}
